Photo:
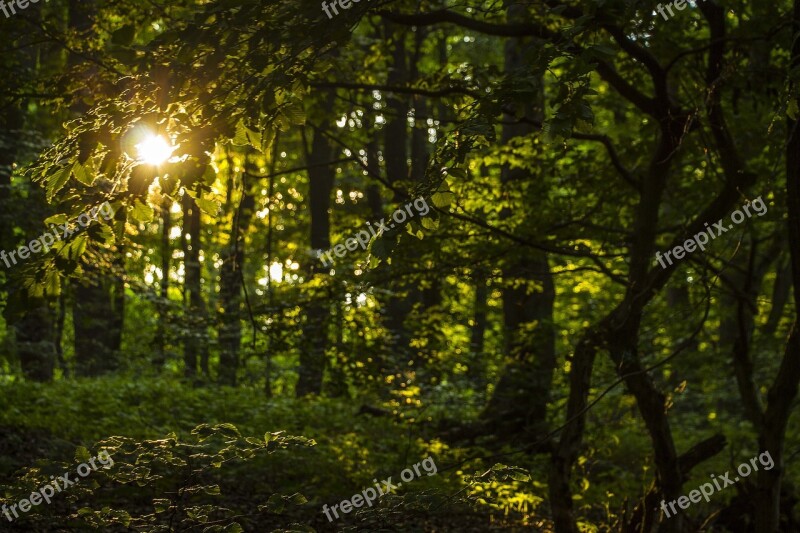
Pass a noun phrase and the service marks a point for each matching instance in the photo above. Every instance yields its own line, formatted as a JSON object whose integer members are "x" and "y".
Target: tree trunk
{"x": 35, "y": 340}
{"x": 477, "y": 365}
{"x": 783, "y": 392}
{"x": 195, "y": 347}
{"x": 315, "y": 329}
{"x": 98, "y": 307}
{"x": 162, "y": 307}
{"x": 95, "y": 312}
{"x": 519, "y": 403}
{"x": 396, "y": 143}
{"x": 230, "y": 285}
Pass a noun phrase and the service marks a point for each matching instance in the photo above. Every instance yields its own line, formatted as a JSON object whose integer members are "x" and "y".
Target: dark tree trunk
{"x": 738, "y": 305}
{"x": 98, "y": 307}
{"x": 519, "y": 403}
{"x": 96, "y": 316}
{"x": 477, "y": 367}
{"x": 784, "y": 390}
{"x": 30, "y": 318}
{"x": 396, "y": 144}
{"x": 35, "y": 340}
{"x": 230, "y": 285}
{"x": 315, "y": 329}
{"x": 162, "y": 307}
{"x": 195, "y": 347}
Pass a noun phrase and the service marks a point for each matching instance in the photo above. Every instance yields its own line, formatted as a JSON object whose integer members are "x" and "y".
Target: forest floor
{"x": 42, "y": 426}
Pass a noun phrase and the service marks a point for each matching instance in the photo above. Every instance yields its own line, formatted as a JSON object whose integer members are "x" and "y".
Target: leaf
{"x": 209, "y": 176}
{"x": 228, "y": 430}
{"x": 212, "y": 490}
{"x": 58, "y": 218}
{"x": 57, "y": 181}
{"x": 603, "y": 50}
{"x": 52, "y": 283}
{"x": 82, "y": 174}
{"x": 298, "y": 499}
{"x": 82, "y": 454}
{"x": 123, "y": 55}
{"x": 380, "y": 248}
{"x": 442, "y": 199}
{"x": 124, "y": 36}
{"x": 275, "y": 504}
{"x": 430, "y": 223}
{"x": 457, "y": 172}
{"x": 142, "y": 212}
{"x": 75, "y": 249}
{"x": 254, "y": 139}
{"x": 241, "y": 138}
{"x": 792, "y": 109}
{"x": 296, "y": 115}
{"x": 210, "y": 207}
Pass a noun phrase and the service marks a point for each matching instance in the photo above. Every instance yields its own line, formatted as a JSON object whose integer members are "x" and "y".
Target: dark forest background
{"x": 521, "y": 333}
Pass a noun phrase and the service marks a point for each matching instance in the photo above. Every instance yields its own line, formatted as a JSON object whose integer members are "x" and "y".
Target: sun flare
{"x": 154, "y": 150}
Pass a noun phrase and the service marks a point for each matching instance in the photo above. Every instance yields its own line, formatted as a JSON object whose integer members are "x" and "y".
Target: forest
{"x": 399, "y": 265}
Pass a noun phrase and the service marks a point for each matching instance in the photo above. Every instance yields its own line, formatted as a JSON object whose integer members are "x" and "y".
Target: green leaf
{"x": 123, "y": 55}
{"x": 124, "y": 36}
{"x": 457, "y": 172}
{"x": 82, "y": 455}
{"x": 275, "y": 504}
{"x": 254, "y": 139}
{"x": 792, "y": 109}
{"x": 241, "y": 138}
{"x": 57, "y": 181}
{"x": 296, "y": 115}
{"x": 212, "y": 490}
{"x": 430, "y": 223}
{"x": 58, "y": 218}
{"x": 442, "y": 199}
{"x": 210, "y": 207}
{"x": 76, "y": 247}
{"x": 603, "y": 50}
{"x": 209, "y": 176}
{"x": 298, "y": 499}
{"x": 82, "y": 174}
{"x": 142, "y": 212}
{"x": 52, "y": 283}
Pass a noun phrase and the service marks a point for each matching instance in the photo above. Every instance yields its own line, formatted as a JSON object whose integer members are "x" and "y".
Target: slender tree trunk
{"x": 396, "y": 145}
{"x": 93, "y": 315}
{"x": 195, "y": 343}
{"x": 477, "y": 367}
{"x": 162, "y": 306}
{"x": 315, "y": 329}
{"x": 230, "y": 289}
